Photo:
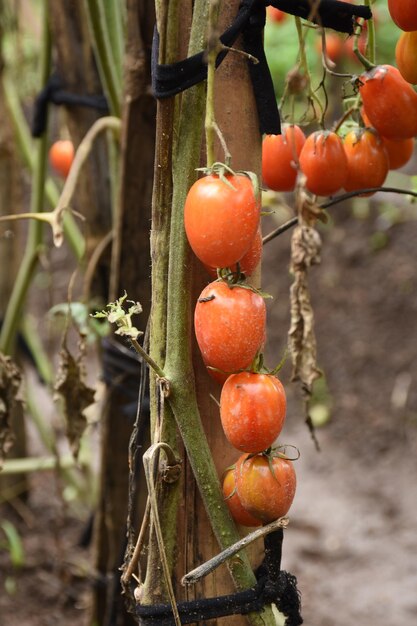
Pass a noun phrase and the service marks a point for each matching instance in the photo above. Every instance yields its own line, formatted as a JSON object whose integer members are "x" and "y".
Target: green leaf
{"x": 15, "y": 545}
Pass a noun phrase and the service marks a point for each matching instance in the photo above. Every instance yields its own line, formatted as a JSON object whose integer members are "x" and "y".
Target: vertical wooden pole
{"x": 236, "y": 115}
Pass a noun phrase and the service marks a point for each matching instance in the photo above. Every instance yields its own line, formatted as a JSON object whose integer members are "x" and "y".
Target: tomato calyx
{"x": 237, "y": 279}
{"x": 224, "y": 172}
{"x": 258, "y": 365}
{"x": 274, "y": 452}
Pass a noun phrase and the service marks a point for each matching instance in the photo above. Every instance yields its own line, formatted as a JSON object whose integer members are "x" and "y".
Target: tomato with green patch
{"x": 239, "y": 514}
{"x": 265, "y": 485}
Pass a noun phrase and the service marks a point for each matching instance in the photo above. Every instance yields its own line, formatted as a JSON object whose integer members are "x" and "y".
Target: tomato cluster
{"x": 365, "y": 156}
{"x": 221, "y": 219}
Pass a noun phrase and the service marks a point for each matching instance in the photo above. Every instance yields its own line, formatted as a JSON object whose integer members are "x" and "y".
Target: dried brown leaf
{"x": 76, "y": 397}
{"x": 305, "y": 252}
{"x": 10, "y": 382}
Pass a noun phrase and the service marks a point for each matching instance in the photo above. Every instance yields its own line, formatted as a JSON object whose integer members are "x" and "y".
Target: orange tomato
{"x": 252, "y": 410}
{"x": 229, "y": 324}
{"x": 406, "y": 56}
{"x": 404, "y": 13}
{"x": 221, "y": 218}
{"x": 390, "y": 102}
{"x": 239, "y": 514}
{"x": 323, "y": 161}
{"x": 61, "y": 156}
{"x": 279, "y": 156}
{"x": 367, "y": 159}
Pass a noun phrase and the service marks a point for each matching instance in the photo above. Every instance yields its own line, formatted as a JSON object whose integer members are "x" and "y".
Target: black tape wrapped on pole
{"x": 55, "y": 92}
{"x": 273, "y": 586}
{"x": 171, "y": 79}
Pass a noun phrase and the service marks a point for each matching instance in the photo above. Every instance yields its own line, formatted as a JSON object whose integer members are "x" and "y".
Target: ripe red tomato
{"x": 390, "y": 102}
{"x": 239, "y": 514}
{"x": 399, "y": 151}
{"x": 61, "y": 156}
{"x": 279, "y": 157}
{"x": 229, "y": 324}
{"x": 221, "y": 219}
{"x": 266, "y": 487}
{"x": 367, "y": 159}
{"x": 406, "y": 56}
{"x": 404, "y": 13}
{"x": 249, "y": 262}
{"x": 275, "y": 15}
{"x": 323, "y": 161}
{"x": 252, "y": 410}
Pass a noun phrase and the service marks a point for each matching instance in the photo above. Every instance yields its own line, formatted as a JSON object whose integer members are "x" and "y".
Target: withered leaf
{"x": 10, "y": 382}
{"x": 76, "y": 397}
{"x": 305, "y": 252}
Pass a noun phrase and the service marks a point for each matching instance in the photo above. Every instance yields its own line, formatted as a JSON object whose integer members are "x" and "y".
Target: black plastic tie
{"x": 170, "y": 79}
{"x": 55, "y": 93}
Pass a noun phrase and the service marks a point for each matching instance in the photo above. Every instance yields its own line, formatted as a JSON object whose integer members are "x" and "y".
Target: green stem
{"x": 212, "y": 50}
{"x": 114, "y": 21}
{"x": 34, "y": 241}
{"x": 304, "y": 65}
{"x": 368, "y": 65}
{"x": 370, "y": 49}
{"x": 31, "y": 336}
{"x": 145, "y": 356}
{"x": 104, "y": 55}
{"x": 72, "y": 233}
{"x": 36, "y": 464}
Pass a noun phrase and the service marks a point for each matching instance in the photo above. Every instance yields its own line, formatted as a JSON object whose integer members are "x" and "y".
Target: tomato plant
{"x": 390, "y": 102}
{"x": 229, "y": 323}
{"x": 404, "y": 13}
{"x": 238, "y": 512}
{"x": 61, "y": 156}
{"x": 406, "y": 56}
{"x": 323, "y": 161}
{"x": 252, "y": 410}
{"x": 367, "y": 159}
{"x": 279, "y": 158}
{"x": 265, "y": 485}
{"x": 221, "y": 218}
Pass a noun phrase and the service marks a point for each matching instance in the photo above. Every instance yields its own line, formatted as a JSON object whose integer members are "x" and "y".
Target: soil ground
{"x": 352, "y": 540}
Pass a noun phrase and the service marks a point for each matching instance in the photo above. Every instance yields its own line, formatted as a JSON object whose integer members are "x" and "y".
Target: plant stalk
{"x": 72, "y": 233}
{"x": 34, "y": 241}
{"x": 104, "y": 55}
